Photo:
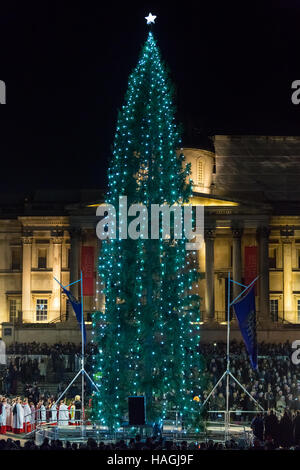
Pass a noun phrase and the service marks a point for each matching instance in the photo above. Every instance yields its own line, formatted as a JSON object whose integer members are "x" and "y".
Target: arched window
{"x": 199, "y": 172}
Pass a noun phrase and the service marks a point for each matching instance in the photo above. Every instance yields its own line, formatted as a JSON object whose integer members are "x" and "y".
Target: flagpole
{"x": 82, "y": 352}
{"x": 227, "y": 372}
{"x": 228, "y": 360}
{"x": 82, "y": 370}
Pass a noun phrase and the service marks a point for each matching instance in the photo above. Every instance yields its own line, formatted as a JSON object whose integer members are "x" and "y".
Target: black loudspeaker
{"x": 136, "y": 411}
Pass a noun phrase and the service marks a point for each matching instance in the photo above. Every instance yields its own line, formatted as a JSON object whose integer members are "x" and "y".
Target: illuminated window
{"x": 14, "y": 309}
{"x": 199, "y": 172}
{"x": 274, "y": 309}
{"x": 298, "y": 310}
{"x": 41, "y": 309}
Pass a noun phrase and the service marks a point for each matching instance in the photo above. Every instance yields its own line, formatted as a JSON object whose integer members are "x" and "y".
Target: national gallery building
{"x": 250, "y": 188}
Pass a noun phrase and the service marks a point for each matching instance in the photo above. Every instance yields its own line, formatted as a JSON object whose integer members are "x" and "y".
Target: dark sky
{"x": 66, "y": 66}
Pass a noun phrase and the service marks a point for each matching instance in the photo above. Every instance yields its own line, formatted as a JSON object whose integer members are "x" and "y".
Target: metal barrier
{"x": 173, "y": 427}
{"x": 242, "y": 429}
{"x": 245, "y": 412}
{"x": 42, "y": 419}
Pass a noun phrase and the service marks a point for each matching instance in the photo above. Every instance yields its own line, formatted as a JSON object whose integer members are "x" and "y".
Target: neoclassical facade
{"x": 249, "y": 187}
{"x": 39, "y": 248}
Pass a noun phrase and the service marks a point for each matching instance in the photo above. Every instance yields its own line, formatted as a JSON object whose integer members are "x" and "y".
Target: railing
{"x": 217, "y": 431}
{"x": 279, "y": 317}
{"x": 62, "y": 318}
{"x": 220, "y": 316}
{"x": 35, "y": 325}
{"x": 173, "y": 428}
{"x": 245, "y": 412}
{"x": 40, "y": 419}
{"x": 242, "y": 428}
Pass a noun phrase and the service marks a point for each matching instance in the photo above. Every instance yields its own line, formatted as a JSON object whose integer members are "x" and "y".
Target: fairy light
{"x": 145, "y": 334}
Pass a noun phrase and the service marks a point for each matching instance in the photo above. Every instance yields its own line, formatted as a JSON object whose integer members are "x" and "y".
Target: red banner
{"x": 250, "y": 264}
{"x": 87, "y": 267}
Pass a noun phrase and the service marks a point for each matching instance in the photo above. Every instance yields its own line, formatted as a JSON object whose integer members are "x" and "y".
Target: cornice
{"x": 44, "y": 221}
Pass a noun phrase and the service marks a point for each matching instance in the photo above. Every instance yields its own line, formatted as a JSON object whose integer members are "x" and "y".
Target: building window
{"x": 42, "y": 258}
{"x": 41, "y": 310}
{"x": 16, "y": 258}
{"x": 14, "y": 309}
{"x": 199, "y": 172}
{"x": 68, "y": 257}
{"x": 298, "y": 310}
{"x": 272, "y": 257}
{"x": 274, "y": 309}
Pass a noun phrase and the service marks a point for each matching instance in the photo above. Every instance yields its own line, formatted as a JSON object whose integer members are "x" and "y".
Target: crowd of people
{"x": 44, "y": 349}
{"x": 40, "y": 363}
{"x": 36, "y": 348}
{"x": 275, "y": 384}
{"x": 149, "y": 443}
{"x": 22, "y": 416}
{"x": 282, "y": 432}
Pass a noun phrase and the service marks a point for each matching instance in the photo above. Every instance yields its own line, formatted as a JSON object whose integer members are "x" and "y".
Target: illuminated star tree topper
{"x": 150, "y": 18}
{"x": 148, "y": 332}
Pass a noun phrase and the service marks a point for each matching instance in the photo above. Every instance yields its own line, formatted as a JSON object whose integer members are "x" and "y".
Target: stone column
{"x": 28, "y": 315}
{"x": 56, "y": 269}
{"x": 209, "y": 236}
{"x": 236, "y": 260}
{"x": 202, "y": 281}
{"x": 264, "y": 300}
{"x": 75, "y": 235}
{"x": 287, "y": 281}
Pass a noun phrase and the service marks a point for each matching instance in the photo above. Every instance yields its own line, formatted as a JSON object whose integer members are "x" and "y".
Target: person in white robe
{"x": 38, "y": 413}
{"x": 27, "y": 416}
{"x": 43, "y": 413}
{"x": 42, "y": 417}
{"x": 3, "y": 416}
{"x": 53, "y": 413}
{"x": 32, "y": 416}
{"x": 63, "y": 414}
{"x": 8, "y": 416}
{"x": 13, "y": 402}
{"x": 13, "y": 414}
{"x": 2, "y": 352}
{"x": 18, "y": 417}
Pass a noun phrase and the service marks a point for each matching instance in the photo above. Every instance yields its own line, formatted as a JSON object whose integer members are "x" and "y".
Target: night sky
{"x": 66, "y": 66}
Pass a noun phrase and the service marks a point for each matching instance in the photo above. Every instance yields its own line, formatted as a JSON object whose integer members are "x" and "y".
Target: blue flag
{"x": 246, "y": 315}
{"x": 77, "y": 307}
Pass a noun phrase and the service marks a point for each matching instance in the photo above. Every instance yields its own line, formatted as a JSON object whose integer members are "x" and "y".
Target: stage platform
{"x": 214, "y": 431}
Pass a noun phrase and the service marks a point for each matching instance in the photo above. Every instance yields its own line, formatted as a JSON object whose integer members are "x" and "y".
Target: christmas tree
{"x": 147, "y": 335}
